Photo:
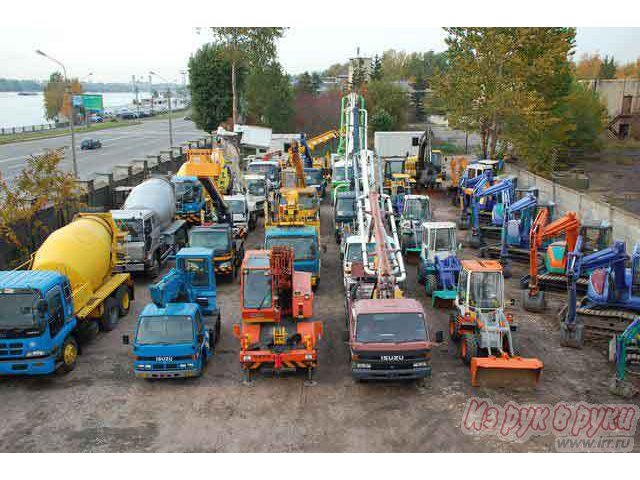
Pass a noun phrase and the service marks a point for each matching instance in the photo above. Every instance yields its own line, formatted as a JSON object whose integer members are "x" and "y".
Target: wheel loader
{"x": 484, "y": 331}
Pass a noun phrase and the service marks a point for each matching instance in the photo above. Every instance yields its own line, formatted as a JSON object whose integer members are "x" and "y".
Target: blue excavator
{"x": 613, "y": 293}
{"x": 626, "y": 354}
{"x": 493, "y": 199}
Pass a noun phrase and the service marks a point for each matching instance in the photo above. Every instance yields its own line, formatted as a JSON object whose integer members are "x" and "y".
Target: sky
{"x": 115, "y": 58}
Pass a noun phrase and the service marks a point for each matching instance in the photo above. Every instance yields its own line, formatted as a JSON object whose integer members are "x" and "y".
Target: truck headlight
{"x": 308, "y": 356}
{"x": 36, "y": 353}
{"x": 419, "y": 364}
{"x": 361, "y": 365}
{"x": 246, "y": 358}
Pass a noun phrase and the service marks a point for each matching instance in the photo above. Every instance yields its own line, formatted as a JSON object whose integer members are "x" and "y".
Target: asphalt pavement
{"x": 119, "y": 146}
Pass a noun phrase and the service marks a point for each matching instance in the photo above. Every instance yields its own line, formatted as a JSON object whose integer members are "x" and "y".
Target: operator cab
{"x": 480, "y": 286}
{"x": 438, "y": 240}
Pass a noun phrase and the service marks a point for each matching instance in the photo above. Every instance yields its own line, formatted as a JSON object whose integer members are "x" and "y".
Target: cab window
{"x": 56, "y": 311}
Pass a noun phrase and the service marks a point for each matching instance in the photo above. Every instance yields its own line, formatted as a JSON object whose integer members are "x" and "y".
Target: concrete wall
{"x": 626, "y": 226}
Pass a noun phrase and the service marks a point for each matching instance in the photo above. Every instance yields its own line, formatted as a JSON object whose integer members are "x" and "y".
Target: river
{"x": 25, "y": 110}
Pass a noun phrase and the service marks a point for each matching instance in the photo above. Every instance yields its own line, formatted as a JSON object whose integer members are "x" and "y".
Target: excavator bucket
{"x": 505, "y": 371}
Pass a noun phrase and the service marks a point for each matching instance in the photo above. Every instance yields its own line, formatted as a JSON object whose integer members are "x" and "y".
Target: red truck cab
{"x": 388, "y": 338}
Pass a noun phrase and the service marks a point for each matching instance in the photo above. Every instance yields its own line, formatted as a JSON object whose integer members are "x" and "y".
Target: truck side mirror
{"x": 41, "y": 307}
{"x": 439, "y": 336}
{"x": 125, "y": 339}
{"x": 512, "y": 302}
{"x": 236, "y": 330}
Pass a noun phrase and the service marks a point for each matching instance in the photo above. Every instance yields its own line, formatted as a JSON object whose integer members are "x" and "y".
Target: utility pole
{"x": 170, "y": 110}
{"x": 135, "y": 90}
{"x": 72, "y": 119}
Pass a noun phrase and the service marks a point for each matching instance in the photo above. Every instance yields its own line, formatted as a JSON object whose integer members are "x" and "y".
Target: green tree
{"x": 316, "y": 82}
{"x": 587, "y": 116}
{"x": 211, "y": 92}
{"x": 381, "y": 121}
{"x": 390, "y": 97}
{"x": 244, "y": 46}
{"x": 269, "y": 98}
{"x": 607, "y": 68}
{"x": 509, "y": 84}
{"x": 376, "y": 68}
{"x": 358, "y": 75}
{"x": 305, "y": 84}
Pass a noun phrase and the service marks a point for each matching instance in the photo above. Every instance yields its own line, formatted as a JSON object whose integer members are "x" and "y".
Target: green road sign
{"x": 92, "y": 102}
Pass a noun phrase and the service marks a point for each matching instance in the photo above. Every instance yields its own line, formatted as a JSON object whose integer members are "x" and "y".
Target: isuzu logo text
{"x": 164, "y": 359}
{"x": 391, "y": 358}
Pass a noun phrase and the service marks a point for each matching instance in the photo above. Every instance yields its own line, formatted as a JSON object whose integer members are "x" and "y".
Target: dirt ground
{"x": 100, "y": 407}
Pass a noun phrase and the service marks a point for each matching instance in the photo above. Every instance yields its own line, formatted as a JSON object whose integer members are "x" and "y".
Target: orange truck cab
{"x": 276, "y": 333}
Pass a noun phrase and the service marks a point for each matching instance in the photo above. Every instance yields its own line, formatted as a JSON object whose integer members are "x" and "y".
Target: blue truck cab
{"x": 37, "y": 323}
{"x": 305, "y": 243}
{"x": 190, "y": 198}
{"x": 176, "y": 334}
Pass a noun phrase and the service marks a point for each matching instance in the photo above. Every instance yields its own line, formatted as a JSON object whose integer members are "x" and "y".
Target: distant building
{"x": 621, "y": 98}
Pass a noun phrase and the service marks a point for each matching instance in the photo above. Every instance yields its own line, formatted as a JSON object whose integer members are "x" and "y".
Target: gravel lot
{"x": 100, "y": 407}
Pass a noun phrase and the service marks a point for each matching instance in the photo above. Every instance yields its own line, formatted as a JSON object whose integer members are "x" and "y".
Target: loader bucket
{"x": 505, "y": 371}
{"x": 443, "y": 298}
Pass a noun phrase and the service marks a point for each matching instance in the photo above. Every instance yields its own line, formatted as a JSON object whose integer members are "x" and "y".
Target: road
{"x": 119, "y": 145}
{"x": 101, "y": 407}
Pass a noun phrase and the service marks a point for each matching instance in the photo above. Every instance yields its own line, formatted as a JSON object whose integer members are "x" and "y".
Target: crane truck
{"x": 152, "y": 234}
{"x": 176, "y": 334}
{"x": 62, "y": 296}
{"x": 276, "y": 299}
{"x": 387, "y": 335}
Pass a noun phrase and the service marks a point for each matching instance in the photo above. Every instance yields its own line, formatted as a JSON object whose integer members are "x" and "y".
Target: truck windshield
{"x": 354, "y": 252}
{"x": 390, "y": 328}
{"x": 308, "y": 202}
{"x": 256, "y": 289}
{"x": 186, "y": 191}
{"x": 199, "y": 269}
{"x": 416, "y": 209}
{"x": 443, "y": 239}
{"x": 256, "y": 187}
{"x": 339, "y": 175}
{"x": 485, "y": 290}
{"x": 346, "y": 207}
{"x": 313, "y": 177}
{"x": 165, "y": 330}
{"x": 236, "y": 206}
{"x": 267, "y": 170}
{"x": 18, "y": 311}
{"x": 304, "y": 247}
{"x": 132, "y": 227}
{"x": 395, "y": 166}
{"x": 216, "y": 240}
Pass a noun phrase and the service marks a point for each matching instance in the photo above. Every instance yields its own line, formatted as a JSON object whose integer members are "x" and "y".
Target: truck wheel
{"x": 420, "y": 273}
{"x": 110, "y": 317}
{"x": 468, "y": 348}
{"x": 69, "y": 355}
{"x": 154, "y": 271}
{"x": 217, "y": 330}
{"x": 454, "y": 328}
{"x": 123, "y": 296}
{"x": 431, "y": 284}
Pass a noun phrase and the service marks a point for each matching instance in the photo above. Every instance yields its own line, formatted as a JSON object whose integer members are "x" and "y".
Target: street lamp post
{"x": 170, "y": 111}
{"x": 71, "y": 122}
{"x": 86, "y": 113}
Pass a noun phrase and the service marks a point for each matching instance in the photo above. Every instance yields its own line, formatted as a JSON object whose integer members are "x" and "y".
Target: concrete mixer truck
{"x": 152, "y": 234}
{"x": 62, "y": 296}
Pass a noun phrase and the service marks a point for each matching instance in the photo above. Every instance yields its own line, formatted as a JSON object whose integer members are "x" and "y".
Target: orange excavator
{"x": 555, "y": 260}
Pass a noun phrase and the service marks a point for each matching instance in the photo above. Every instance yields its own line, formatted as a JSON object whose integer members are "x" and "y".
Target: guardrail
{"x": 33, "y": 128}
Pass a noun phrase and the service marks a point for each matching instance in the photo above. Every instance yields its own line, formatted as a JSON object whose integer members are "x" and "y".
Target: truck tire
{"x": 218, "y": 329}
{"x": 110, "y": 316}
{"x": 420, "y": 273}
{"x": 454, "y": 328}
{"x": 468, "y": 348}
{"x": 431, "y": 284}
{"x": 68, "y": 355}
{"x": 123, "y": 296}
{"x": 154, "y": 270}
